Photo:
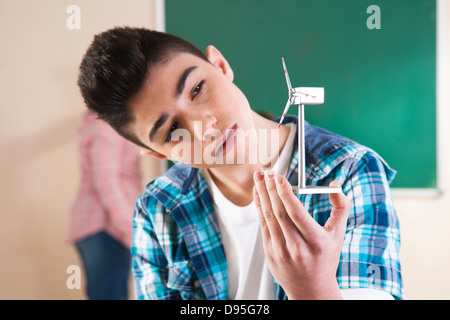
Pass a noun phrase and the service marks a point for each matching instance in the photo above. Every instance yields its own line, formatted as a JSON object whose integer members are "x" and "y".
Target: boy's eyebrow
{"x": 182, "y": 81}
{"x": 180, "y": 87}
{"x": 158, "y": 124}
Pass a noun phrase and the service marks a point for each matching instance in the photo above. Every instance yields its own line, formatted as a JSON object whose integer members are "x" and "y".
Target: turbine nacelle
{"x": 306, "y": 95}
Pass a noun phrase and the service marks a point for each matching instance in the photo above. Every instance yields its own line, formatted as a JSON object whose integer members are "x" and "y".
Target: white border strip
{"x": 415, "y": 193}
{"x": 442, "y": 85}
{"x": 160, "y": 15}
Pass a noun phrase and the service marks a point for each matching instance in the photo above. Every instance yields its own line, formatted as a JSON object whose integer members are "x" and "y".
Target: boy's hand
{"x": 302, "y": 255}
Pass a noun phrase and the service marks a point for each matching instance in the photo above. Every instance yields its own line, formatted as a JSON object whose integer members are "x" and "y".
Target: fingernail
{"x": 279, "y": 180}
{"x": 269, "y": 174}
{"x": 258, "y": 176}
{"x": 335, "y": 184}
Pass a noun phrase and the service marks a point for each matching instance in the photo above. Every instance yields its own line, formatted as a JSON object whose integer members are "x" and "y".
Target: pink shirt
{"x": 110, "y": 182}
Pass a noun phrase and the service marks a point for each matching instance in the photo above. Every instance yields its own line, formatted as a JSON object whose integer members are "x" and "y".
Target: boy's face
{"x": 189, "y": 110}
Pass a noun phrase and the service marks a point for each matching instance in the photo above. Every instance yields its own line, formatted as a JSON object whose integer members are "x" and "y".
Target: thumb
{"x": 337, "y": 223}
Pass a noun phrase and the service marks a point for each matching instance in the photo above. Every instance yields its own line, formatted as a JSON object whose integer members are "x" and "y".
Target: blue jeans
{"x": 107, "y": 265}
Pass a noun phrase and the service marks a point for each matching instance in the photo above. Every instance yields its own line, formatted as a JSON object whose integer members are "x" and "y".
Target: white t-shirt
{"x": 248, "y": 274}
{"x": 249, "y": 277}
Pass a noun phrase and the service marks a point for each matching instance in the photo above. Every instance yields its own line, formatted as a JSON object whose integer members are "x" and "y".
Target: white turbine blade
{"x": 286, "y": 109}
{"x": 288, "y": 81}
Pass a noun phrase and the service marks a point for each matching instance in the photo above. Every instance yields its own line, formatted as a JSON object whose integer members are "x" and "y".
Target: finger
{"x": 337, "y": 222}
{"x": 276, "y": 234}
{"x": 262, "y": 221}
{"x": 290, "y": 231}
{"x": 304, "y": 222}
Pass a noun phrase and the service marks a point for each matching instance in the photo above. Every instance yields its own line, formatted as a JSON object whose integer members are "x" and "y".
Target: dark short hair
{"x": 115, "y": 66}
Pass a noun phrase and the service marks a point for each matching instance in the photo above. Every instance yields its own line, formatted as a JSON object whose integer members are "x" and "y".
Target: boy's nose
{"x": 205, "y": 128}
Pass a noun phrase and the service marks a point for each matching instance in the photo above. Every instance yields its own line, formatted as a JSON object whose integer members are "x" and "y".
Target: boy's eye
{"x": 171, "y": 130}
{"x": 197, "y": 90}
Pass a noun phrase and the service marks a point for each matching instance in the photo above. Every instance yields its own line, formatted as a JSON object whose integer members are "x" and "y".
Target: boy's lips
{"x": 222, "y": 143}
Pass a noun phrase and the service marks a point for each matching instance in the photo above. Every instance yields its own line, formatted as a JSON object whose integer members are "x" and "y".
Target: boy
{"x": 220, "y": 224}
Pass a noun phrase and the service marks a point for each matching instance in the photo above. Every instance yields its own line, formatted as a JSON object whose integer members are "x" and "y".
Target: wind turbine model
{"x": 304, "y": 96}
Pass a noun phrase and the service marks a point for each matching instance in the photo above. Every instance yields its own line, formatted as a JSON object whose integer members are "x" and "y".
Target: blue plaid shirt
{"x": 177, "y": 246}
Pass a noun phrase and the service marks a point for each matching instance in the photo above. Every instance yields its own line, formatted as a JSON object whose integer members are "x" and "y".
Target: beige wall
{"x": 41, "y": 108}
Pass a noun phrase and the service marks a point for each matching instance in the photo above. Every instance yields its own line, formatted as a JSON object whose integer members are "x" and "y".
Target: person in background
{"x": 214, "y": 227}
{"x": 102, "y": 213}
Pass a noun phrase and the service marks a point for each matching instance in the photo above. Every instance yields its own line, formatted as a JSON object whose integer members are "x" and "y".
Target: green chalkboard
{"x": 380, "y": 84}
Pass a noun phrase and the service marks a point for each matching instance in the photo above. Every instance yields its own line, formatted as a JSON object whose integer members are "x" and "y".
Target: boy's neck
{"x": 236, "y": 181}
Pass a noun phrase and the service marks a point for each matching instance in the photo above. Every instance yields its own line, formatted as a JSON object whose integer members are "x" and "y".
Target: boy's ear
{"x": 216, "y": 58}
{"x": 148, "y": 152}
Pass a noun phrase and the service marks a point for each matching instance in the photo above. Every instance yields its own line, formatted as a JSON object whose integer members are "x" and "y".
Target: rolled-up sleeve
{"x": 370, "y": 251}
